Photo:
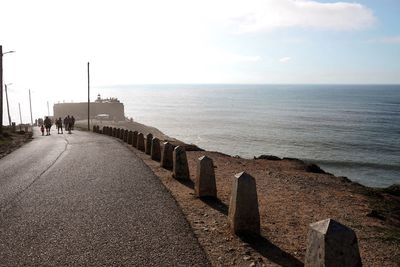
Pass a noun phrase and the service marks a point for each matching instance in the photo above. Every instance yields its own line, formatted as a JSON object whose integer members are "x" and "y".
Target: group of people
{"x": 68, "y": 123}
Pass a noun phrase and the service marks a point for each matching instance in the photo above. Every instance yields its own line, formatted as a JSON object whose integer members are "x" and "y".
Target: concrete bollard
{"x": 130, "y": 133}
{"x": 149, "y": 138}
{"x": 140, "y": 142}
{"x": 121, "y": 134}
{"x": 205, "y": 185}
{"x": 114, "y": 132}
{"x": 94, "y": 128}
{"x": 330, "y": 243}
{"x": 244, "y": 216}
{"x": 167, "y": 156}
{"x": 13, "y": 127}
{"x": 180, "y": 169}
{"x": 117, "y": 132}
{"x": 155, "y": 149}
{"x": 110, "y": 131}
{"x": 26, "y": 128}
{"x": 126, "y": 136}
{"x": 134, "y": 138}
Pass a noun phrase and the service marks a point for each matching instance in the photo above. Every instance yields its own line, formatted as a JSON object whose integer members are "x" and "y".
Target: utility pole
{"x": 30, "y": 105}
{"x": 8, "y": 104}
{"x": 1, "y": 91}
{"x": 20, "y": 117}
{"x": 88, "y": 97}
{"x": 1, "y": 86}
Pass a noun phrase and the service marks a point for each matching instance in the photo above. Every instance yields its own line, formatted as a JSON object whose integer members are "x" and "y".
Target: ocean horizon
{"x": 348, "y": 130}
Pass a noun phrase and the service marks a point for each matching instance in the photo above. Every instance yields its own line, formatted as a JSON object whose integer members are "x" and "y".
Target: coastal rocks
{"x": 167, "y": 156}
{"x": 205, "y": 185}
{"x": 330, "y": 243}
{"x": 134, "y": 138}
{"x": 314, "y": 168}
{"x": 155, "y": 149}
{"x": 268, "y": 157}
{"x": 149, "y": 139}
{"x": 180, "y": 164}
{"x": 130, "y": 133}
{"x": 140, "y": 142}
{"x": 243, "y": 215}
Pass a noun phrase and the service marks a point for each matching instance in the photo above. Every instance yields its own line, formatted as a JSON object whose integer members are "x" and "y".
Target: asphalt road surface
{"x": 86, "y": 200}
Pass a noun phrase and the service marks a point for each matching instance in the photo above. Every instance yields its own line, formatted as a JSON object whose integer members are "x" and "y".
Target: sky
{"x": 187, "y": 41}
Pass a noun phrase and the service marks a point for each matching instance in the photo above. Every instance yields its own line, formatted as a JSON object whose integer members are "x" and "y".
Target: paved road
{"x": 86, "y": 200}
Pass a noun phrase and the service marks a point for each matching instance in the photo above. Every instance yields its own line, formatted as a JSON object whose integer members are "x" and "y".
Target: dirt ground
{"x": 290, "y": 198}
{"x": 12, "y": 141}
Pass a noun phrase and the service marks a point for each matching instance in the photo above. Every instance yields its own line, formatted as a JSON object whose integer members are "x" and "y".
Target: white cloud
{"x": 285, "y": 59}
{"x": 267, "y": 15}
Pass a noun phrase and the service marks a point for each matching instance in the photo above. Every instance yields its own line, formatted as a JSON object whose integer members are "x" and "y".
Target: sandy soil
{"x": 290, "y": 198}
{"x": 12, "y": 141}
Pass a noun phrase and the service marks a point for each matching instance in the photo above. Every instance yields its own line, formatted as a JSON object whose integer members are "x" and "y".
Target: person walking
{"x": 72, "y": 122}
{"x": 68, "y": 124}
{"x": 47, "y": 125}
{"x": 59, "y": 124}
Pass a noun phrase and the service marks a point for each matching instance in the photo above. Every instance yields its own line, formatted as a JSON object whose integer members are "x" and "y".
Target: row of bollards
{"x": 329, "y": 243}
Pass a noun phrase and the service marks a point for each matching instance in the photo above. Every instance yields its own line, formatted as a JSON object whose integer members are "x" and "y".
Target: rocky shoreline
{"x": 292, "y": 194}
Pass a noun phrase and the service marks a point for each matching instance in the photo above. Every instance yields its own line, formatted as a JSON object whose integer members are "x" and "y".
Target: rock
{"x": 268, "y": 157}
{"x": 394, "y": 190}
{"x": 376, "y": 214}
{"x": 155, "y": 149}
{"x": 130, "y": 134}
{"x": 167, "y": 156}
{"x": 246, "y": 258}
{"x": 314, "y": 168}
{"x": 205, "y": 185}
{"x": 140, "y": 142}
{"x": 180, "y": 169}
{"x": 149, "y": 139}
{"x": 134, "y": 138}
{"x": 243, "y": 215}
{"x": 330, "y": 243}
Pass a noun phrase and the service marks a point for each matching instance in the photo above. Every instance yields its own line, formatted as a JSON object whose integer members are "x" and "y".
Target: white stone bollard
{"x": 167, "y": 156}
{"x": 180, "y": 168}
{"x": 140, "y": 142}
{"x": 149, "y": 139}
{"x": 205, "y": 185}
{"x": 244, "y": 216}
{"x": 155, "y": 149}
{"x": 332, "y": 244}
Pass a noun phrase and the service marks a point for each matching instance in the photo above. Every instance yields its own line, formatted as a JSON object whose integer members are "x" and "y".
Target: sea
{"x": 348, "y": 130}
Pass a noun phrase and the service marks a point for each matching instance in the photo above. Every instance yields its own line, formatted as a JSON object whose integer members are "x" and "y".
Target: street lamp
{"x": 1, "y": 85}
{"x": 8, "y": 104}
